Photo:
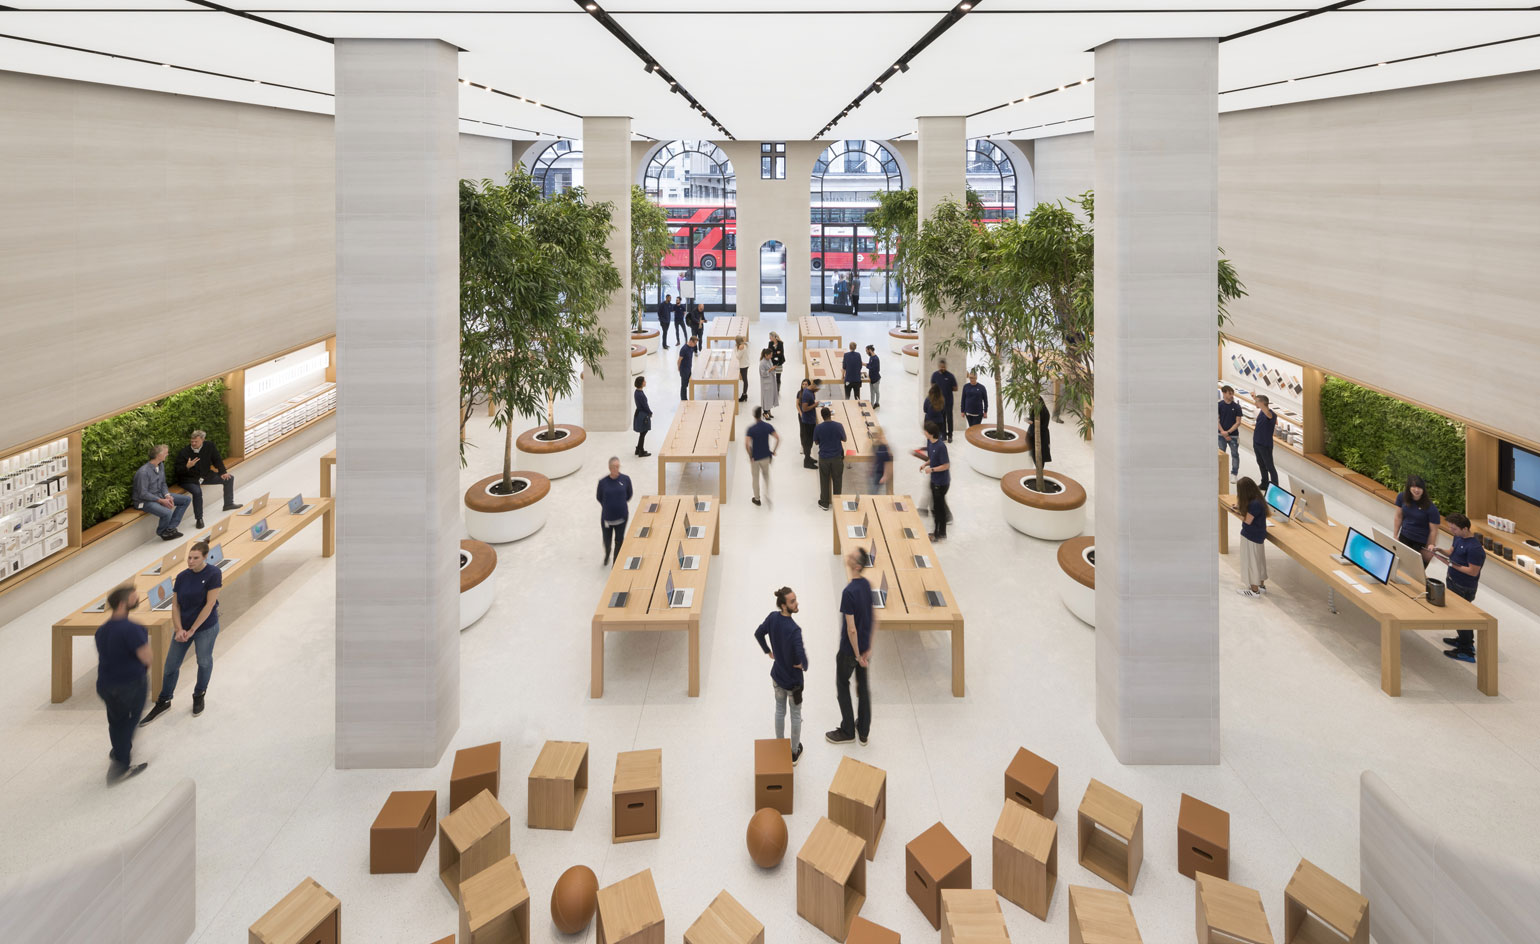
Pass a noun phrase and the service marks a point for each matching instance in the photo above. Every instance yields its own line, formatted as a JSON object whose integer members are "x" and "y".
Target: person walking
{"x": 1262, "y": 441}
{"x": 934, "y": 406}
{"x": 807, "y": 417}
{"x": 947, "y": 382}
{"x": 975, "y": 400}
{"x": 698, "y": 323}
{"x": 150, "y": 494}
{"x": 1465, "y": 560}
{"x": 874, "y": 375}
{"x": 665, "y": 317}
{"x": 882, "y": 463}
{"x": 841, "y": 291}
{"x": 939, "y": 465}
{"x": 769, "y": 383}
{"x": 777, "y": 358}
{"x": 199, "y": 464}
{"x": 1253, "y": 511}
{"x": 780, "y": 638}
{"x": 743, "y": 368}
{"x": 195, "y": 619}
{"x": 855, "y": 294}
{"x": 1229, "y": 427}
{"x": 1416, "y": 517}
{"x": 679, "y": 325}
{"x": 686, "y": 363}
{"x": 641, "y": 420}
{"x": 858, "y": 623}
{"x": 757, "y": 443}
{"x": 851, "y": 366}
{"x": 122, "y": 679}
{"x": 830, "y": 436}
{"x": 613, "y": 496}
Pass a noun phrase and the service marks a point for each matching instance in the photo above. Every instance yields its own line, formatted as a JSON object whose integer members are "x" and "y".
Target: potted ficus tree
{"x": 650, "y": 239}
{"x": 896, "y": 220}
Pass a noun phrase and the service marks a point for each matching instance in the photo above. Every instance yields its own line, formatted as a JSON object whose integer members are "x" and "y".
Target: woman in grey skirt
{"x": 769, "y": 390}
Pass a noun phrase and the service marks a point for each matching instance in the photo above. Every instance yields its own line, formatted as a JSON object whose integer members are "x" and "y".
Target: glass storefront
{"x": 992, "y": 176}
{"x": 848, "y": 267}
{"x": 694, "y": 183}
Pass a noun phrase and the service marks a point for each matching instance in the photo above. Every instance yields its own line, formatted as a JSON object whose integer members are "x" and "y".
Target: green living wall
{"x": 1387, "y": 440}
{"x": 111, "y": 450}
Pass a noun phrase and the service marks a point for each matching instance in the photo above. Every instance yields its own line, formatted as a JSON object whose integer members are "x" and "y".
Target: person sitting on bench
{"x": 151, "y": 495}
{"x": 199, "y": 464}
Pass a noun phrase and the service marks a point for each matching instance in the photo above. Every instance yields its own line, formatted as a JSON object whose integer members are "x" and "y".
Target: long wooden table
{"x": 860, "y": 422}
{"x": 328, "y": 466}
{"x": 700, "y": 433}
{"x": 728, "y": 329}
{"x": 827, "y": 366}
{"x": 819, "y": 328}
{"x": 1395, "y": 606}
{"x": 238, "y": 544}
{"x": 716, "y": 369}
{"x": 655, "y": 534}
{"x": 899, "y": 535}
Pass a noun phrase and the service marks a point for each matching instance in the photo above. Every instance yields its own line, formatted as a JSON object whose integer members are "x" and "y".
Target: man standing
{"x": 756, "y": 442}
{"x": 975, "y": 400}
{"x": 939, "y": 465}
{"x": 807, "y": 416}
{"x": 679, "y": 311}
{"x": 858, "y": 620}
{"x": 122, "y": 679}
{"x": 195, "y": 619}
{"x": 874, "y": 375}
{"x": 150, "y": 494}
{"x": 199, "y": 464}
{"x": 1262, "y": 441}
{"x": 1229, "y": 428}
{"x": 613, "y": 495}
{"x": 852, "y": 365}
{"x": 855, "y": 294}
{"x": 665, "y": 316}
{"x": 686, "y": 363}
{"x": 830, "y": 436}
{"x": 698, "y": 322}
{"x": 1465, "y": 560}
{"x": 790, "y": 657}
{"x": 947, "y": 381}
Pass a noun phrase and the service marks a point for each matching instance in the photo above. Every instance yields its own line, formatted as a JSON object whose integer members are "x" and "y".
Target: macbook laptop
{"x": 216, "y": 532}
{"x": 692, "y": 530}
{"x": 297, "y": 505}
{"x": 851, "y": 504}
{"x": 168, "y": 563}
{"x": 702, "y": 506}
{"x": 261, "y": 532}
{"x": 921, "y": 561}
{"x": 618, "y": 598}
{"x": 859, "y": 530}
{"x": 161, "y": 595}
{"x": 100, "y": 607}
{"x": 871, "y": 554}
{"x": 256, "y": 506}
{"x": 218, "y": 559}
{"x": 632, "y": 563}
{"x": 909, "y": 533}
{"x": 898, "y": 506}
{"x": 934, "y": 598}
{"x": 645, "y": 530}
{"x": 880, "y": 595}
{"x": 687, "y": 561}
{"x": 678, "y": 598}
{"x": 652, "y": 509}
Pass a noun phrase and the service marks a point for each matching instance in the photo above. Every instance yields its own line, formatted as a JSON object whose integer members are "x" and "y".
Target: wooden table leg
{"x": 596, "y": 667}
{"x": 662, "y": 477}
{"x": 1390, "y": 657}
{"x": 326, "y": 481}
{"x": 160, "y": 641}
{"x": 722, "y": 480}
{"x": 329, "y": 531}
{"x": 957, "y": 659}
{"x": 1224, "y": 532}
{"x": 1486, "y": 658}
{"x": 63, "y": 665}
{"x": 694, "y": 687}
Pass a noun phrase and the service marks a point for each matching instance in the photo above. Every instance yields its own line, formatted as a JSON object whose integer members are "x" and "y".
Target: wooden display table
{"x": 725, "y": 922}
{"x": 727, "y": 329}
{"x": 972, "y": 916}
{"x": 328, "y": 466}
{"x": 826, "y": 365}
{"x": 1110, "y": 835}
{"x": 1033, "y": 782}
{"x": 1025, "y": 858}
{"x": 306, "y": 915}
{"x": 558, "y": 784}
{"x": 831, "y": 878}
{"x": 1317, "y": 908}
{"x": 238, "y": 544}
{"x": 1229, "y": 913}
{"x": 1097, "y": 916}
{"x": 819, "y": 328}
{"x": 629, "y": 912}
{"x": 656, "y": 534}
{"x": 471, "y": 839}
{"x": 774, "y": 786}
{"x": 716, "y": 369}
{"x": 699, "y": 433}
{"x": 858, "y": 801}
{"x": 861, "y": 426}
{"x": 636, "y": 799}
{"x": 494, "y": 905}
{"x": 1395, "y": 606}
{"x": 907, "y": 562}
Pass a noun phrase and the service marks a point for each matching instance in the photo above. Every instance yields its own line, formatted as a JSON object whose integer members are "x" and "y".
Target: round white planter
{"x": 499, "y": 519}
{"x": 993, "y": 457}
{"x": 639, "y": 354}
{"x": 647, "y": 339}
{"x": 477, "y": 561}
{"x": 897, "y": 338}
{"x": 911, "y": 353}
{"x": 1075, "y": 556}
{"x": 552, "y": 459}
{"x": 1055, "y": 517}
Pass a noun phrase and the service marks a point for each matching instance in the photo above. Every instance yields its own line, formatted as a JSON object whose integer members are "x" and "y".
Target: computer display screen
{"x": 1281, "y": 500}
{"x": 1370, "y": 557}
{"x": 1519, "y": 472}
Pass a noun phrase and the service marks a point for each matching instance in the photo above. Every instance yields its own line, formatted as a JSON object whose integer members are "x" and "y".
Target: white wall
{"x": 1063, "y": 167}
{"x": 482, "y": 157}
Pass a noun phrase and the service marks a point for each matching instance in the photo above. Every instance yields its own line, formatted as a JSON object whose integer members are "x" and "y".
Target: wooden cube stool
{"x": 1026, "y": 858}
{"x": 1229, "y": 913}
{"x": 863, "y": 931}
{"x": 1202, "y": 839}
{"x": 972, "y": 916}
{"x": 831, "y": 878}
{"x": 446, "y": 940}
{"x": 1033, "y": 781}
{"x": 470, "y": 839}
{"x": 934, "y": 860}
{"x": 307, "y": 915}
{"x": 494, "y": 905}
{"x": 636, "y": 807}
{"x": 773, "y": 784}
{"x": 1097, "y": 916}
{"x": 858, "y": 801}
{"x": 558, "y": 784}
{"x": 629, "y": 911}
{"x": 476, "y": 769}
{"x": 1110, "y": 835}
{"x": 1315, "y": 903}
{"x": 725, "y": 922}
{"x": 403, "y": 831}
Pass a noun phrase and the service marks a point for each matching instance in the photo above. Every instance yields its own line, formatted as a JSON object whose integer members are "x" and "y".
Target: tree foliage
{"x": 650, "y": 239}
{"x": 896, "y": 220}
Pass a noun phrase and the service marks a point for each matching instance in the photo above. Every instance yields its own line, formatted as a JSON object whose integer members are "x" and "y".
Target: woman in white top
{"x": 769, "y": 386}
{"x": 743, "y": 368}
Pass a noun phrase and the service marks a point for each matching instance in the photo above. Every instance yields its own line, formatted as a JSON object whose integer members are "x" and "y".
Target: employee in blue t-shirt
{"x": 781, "y": 639}
{"x": 1465, "y": 560}
{"x": 858, "y": 621}
{"x": 851, "y": 366}
{"x": 874, "y": 375}
{"x": 975, "y": 400}
{"x": 882, "y": 463}
{"x": 641, "y": 418}
{"x": 830, "y": 437}
{"x": 123, "y": 658}
{"x": 665, "y": 317}
{"x": 1254, "y": 513}
{"x": 614, "y": 496}
{"x": 946, "y": 381}
{"x": 195, "y": 616}
{"x": 1229, "y": 427}
{"x": 756, "y": 441}
{"x": 807, "y": 419}
{"x": 1416, "y": 517}
{"x": 1262, "y": 441}
{"x": 686, "y": 363}
{"x": 939, "y": 464}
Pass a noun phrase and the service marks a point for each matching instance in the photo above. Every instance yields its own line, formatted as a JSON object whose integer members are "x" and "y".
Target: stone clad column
{"x": 398, "y": 380}
{"x": 940, "y": 175}
{"x": 1157, "y": 613}
{"x": 607, "y": 402}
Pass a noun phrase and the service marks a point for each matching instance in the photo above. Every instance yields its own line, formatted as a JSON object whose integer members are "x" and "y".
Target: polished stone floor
{"x": 1302, "y": 716}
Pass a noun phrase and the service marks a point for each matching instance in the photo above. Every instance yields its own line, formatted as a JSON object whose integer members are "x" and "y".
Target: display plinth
{"x": 725, "y": 921}
{"x": 935, "y": 860}
{"x": 1097, "y": 916}
{"x": 629, "y": 911}
{"x": 403, "y": 831}
{"x": 471, "y": 839}
{"x": 831, "y": 878}
{"x": 558, "y": 784}
{"x": 307, "y": 915}
{"x": 858, "y": 801}
{"x": 636, "y": 797}
{"x": 1229, "y": 913}
{"x": 773, "y": 783}
{"x": 494, "y": 905}
{"x": 1026, "y": 858}
{"x": 1110, "y": 835}
{"x": 475, "y": 769}
{"x": 972, "y": 916}
{"x": 1319, "y": 909}
{"x": 1202, "y": 839}
{"x": 1032, "y": 781}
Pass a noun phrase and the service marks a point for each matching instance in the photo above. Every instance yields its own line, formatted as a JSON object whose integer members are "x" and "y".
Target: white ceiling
{"x": 765, "y": 69}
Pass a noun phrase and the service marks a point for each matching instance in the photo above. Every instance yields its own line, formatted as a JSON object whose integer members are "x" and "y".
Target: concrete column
{"x": 398, "y": 378}
{"x": 607, "y": 178}
{"x": 1157, "y": 613}
{"x": 940, "y": 175}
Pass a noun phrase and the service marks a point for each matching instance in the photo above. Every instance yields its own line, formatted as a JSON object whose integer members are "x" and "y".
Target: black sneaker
{"x": 1460, "y": 655}
{"x": 161, "y": 707}
{"x": 838, "y": 737}
{"x": 198, "y": 523}
{"x": 230, "y": 506}
{"x": 936, "y": 537}
{"x": 176, "y": 534}
{"x": 1454, "y": 642}
{"x": 197, "y": 704}
{"x": 166, "y": 535}
{"x": 643, "y": 454}
{"x": 796, "y": 755}
{"x": 824, "y": 506}
{"x": 754, "y": 500}
{"x": 863, "y": 740}
{"x": 809, "y": 464}
{"x": 116, "y": 774}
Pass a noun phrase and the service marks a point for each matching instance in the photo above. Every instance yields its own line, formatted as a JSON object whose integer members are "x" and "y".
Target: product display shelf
{"x": 1291, "y": 425}
{"x": 34, "y": 506}
{"x": 1519, "y": 541}
{"x": 292, "y": 415}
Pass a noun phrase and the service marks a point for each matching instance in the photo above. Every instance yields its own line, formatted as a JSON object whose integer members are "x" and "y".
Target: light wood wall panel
{"x": 1062, "y": 167}
{"x": 485, "y": 158}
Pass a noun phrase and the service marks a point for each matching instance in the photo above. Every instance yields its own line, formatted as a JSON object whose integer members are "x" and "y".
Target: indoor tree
{"x": 896, "y": 220}
{"x": 650, "y": 239}
{"x": 534, "y": 274}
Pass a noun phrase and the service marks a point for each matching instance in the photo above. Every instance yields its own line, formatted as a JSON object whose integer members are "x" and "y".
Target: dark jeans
{"x": 203, "y": 643}
{"x": 807, "y": 439}
{"x": 974, "y": 419}
{"x": 831, "y": 474}
{"x": 853, "y": 390}
{"x": 169, "y": 517}
{"x": 1264, "y": 454}
{"x": 1467, "y": 641}
{"x": 777, "y": 378}
{"x": 858, "y": 722}
{"x": 641, "y": 440}
{"x": 743, "y": 377}
{"x": 195, "y": 489}
{"x": 949, "y": 417}
{"x": 684, "y": 386}
{"x": 663, "y": 330}
{"x": 938, "y": 509}
{"x": 125, "y": 703}
{"x": 613, "y": 533}
{"x": 1414, "y": 545}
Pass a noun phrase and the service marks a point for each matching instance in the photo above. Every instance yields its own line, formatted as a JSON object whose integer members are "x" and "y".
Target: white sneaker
{"x": 1261, "y": 589}
{"x": 1248, "y": 592}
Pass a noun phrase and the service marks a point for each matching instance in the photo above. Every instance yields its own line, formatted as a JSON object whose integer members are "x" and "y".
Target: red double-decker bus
{"x": 839, "y": 249}
{"x": 713, "y": 232}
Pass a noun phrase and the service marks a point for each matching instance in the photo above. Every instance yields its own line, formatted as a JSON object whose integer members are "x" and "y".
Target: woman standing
{"x": 769, "y": 383}
{"x": 1248, "y": 501}
{"x": 1416, "y": 517}
{"x": 777, "y": 358}
{"x": 743, "y": 368}
{"x": 935, "y": 407}
{"x": 614, "y": 496}
{"x": 641, "y": 420}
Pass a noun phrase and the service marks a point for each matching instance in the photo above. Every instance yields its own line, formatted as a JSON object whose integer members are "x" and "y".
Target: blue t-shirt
{"x": 117, "y": 647}
{"x": 1262, "y": 435}
{"x": 808, "y": 398}
{"x": 192, "y": 591}
{"x": 874, "y": 369}
{"x": 759, "y": 440}
{"x": 830, "y": 437}
{"x": 686, "y": 360}
{"x": 852, "y": 364}
{"x": 947, "y": 382}
{"x": 1417, "y": 523}
{"x": 933, "y": 415}
{"x": 1229, "y": 415}
{"x": 856, "y": 601}
{"x": 1466, "y": 551}
{"x": 785, "y": 643}
{"x": 936, "y": 454}
{"x": 1257, "y": 530}
{"x": 882, "y": 456}
{"x": 665, "y": 313}
{"x": 975, "y": 399}
{"x": 613, "y": 494}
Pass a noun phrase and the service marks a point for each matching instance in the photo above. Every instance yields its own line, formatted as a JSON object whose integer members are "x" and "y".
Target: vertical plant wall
{"x": 1387, "y": 440}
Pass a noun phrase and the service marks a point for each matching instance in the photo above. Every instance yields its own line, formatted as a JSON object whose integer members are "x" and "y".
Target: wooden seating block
{"x": 858, "y": 801}
{"x": 446, "y": 940}
{"x": 725, "y": 921}
{"x": 1317, "y": 908}
{"x": 1033, "y": 781}
{"x": 863, "y": 931}
{"x": 629, "y": 911}
{"x": 773, "y": 785}
{"x": 475, "y": 769}
{"x": 1109, "y": 832}
{"x": 1097, "y": 916}
{"x": 935, "y": 860}
{"x": 1202, "y": 838}
{"x": 471, "y": 839}
{"x": 831, "y": 878}
{"x": 494, "y": 905}
{"x": 307, "y": 915}
{"x": 403, "y": 831}
{"x": 1229, "y": 913}
{"x": 636, "y": 807}
{"x": 558, "y": 784}
{"x": 972, "y": 916}
{"x": 1025, "y": 858}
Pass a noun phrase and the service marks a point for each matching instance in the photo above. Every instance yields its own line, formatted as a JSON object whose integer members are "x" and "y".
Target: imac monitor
{"x": 1282, "y": 501}
{"x": 1367, "y": 555}
{"x": 1315, "y": 503}
{"x": 1518, "y": 472}
{"x": 1408, "y": 560}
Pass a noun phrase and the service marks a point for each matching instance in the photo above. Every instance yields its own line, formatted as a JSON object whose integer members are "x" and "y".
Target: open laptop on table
{"x": 859, "y": 530}
{"x": 261, "y": 532}
{"x": 692, "y": 530}
{"x": 880, "y": 595}
{"x": 678, "y": 597}
{"x": 161, "y": 596}
{"x": 216, "y": 532}
{"x": 257, "y": 505}
{"x": 686, "y": 561}
{"x": 297, "y": 504}
{"x": 168, "y": 563}
{"x": 218, "y": 559}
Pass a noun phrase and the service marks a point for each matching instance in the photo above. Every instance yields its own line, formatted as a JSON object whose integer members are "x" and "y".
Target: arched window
{"x": 845, "y": 255}
{"x": 559, "y": 167}
{"x": 694, "y": 183}
{"x": 993, "y": 177}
